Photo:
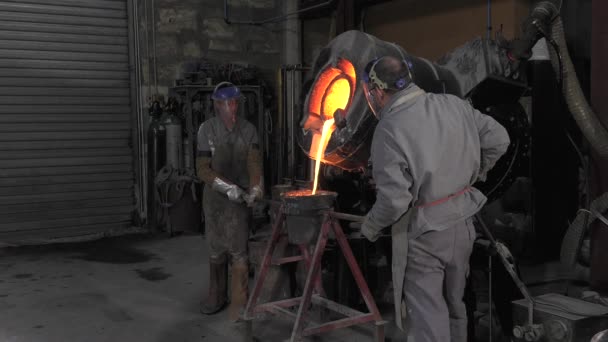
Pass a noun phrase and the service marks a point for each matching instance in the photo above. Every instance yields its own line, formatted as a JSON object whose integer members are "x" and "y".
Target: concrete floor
{"x": 134, "y": 288}
{"x": 144, "y": 288}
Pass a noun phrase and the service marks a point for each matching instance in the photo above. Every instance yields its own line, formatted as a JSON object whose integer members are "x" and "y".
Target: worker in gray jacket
{"x": 230, "y": 164}
{"x": 427, "y": 151}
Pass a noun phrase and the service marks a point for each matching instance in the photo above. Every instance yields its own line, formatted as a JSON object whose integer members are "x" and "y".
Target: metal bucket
{"x": 277, "y": 192}
{"x": 304, "y": 214}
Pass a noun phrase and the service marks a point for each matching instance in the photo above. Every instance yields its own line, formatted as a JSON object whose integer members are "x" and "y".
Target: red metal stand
{"x": 313, "y": 292}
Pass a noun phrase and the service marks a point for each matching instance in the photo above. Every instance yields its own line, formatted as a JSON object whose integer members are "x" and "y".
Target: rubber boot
{"x": 216, "y": 297}
{"x": 238, "y": 288}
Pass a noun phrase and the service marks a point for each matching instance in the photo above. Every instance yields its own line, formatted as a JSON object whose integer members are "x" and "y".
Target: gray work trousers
{"x": 435, "y": 278}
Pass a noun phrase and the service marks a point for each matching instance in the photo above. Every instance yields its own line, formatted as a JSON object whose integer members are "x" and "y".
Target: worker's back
{"x": 439, "y": 137}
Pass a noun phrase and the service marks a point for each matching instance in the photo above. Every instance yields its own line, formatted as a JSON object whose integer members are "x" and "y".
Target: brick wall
{"x": 187, "y": 30}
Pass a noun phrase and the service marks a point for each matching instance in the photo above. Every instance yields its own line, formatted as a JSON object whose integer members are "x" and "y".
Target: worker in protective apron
{"x": 229, "y": 163}
{"x": 427, "y": 151}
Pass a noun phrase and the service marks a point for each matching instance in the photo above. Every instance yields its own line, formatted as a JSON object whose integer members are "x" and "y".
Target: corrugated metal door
{"x": 66, "y": 162}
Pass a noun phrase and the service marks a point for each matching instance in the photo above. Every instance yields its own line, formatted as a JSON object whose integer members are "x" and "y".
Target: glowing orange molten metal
{"x": 328, "y": 129}
{"x": 332, "y": 90}
{"x": 336, "y": 97}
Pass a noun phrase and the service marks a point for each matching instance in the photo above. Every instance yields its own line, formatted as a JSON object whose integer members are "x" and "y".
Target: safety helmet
{"x": 226, "y": 91}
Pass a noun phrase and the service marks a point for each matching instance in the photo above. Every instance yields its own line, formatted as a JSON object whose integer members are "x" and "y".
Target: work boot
{"x": 216, "y": 298}
{"x": 238, "y": 288}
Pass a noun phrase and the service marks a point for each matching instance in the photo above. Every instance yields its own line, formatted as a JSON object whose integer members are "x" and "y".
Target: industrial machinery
{"x": 480, "y": 71}
{"x": 489, "y": 73}
{"x": 173, "y": 204}
{"x": 337, "y": 126}
{"x": 560, "y": 318}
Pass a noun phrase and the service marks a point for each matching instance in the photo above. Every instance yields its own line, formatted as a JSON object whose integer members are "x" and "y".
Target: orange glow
{"x": 320, "y": 87}
{"x": 303, "y": 193}
{"x": 333, "y": 89}
{"x": 349, "y": 69}
{"x": 336, "y": 97}
{"x": 297, "y": 193}
{"x": 314, "y": 146}
{"x": 328, "y": 129}
{"x": 345, "y": 70}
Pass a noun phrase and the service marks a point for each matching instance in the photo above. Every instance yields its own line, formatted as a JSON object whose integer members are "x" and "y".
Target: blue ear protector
{"x": 405, "y": 81}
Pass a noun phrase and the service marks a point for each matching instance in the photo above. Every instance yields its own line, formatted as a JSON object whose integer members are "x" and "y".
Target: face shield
{"x": 225, "y": 110}
{"x": 225, "y": 102}
{"x": 372, "y": 86}
{"x": 372, "y": 100}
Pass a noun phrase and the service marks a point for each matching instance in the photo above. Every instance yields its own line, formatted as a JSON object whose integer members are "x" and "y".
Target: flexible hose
{"x": 576, "y": 232}
{"x": 589, "y": 123}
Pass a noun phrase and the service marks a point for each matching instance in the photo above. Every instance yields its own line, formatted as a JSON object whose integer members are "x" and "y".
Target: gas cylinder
{"x": 188, "y": 156}
{"x": 173, "y": 126}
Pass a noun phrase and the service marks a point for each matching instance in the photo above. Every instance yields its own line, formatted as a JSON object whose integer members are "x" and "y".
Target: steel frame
{"x": 313, "y": 291}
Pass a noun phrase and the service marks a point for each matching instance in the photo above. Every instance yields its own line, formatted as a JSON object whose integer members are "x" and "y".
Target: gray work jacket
{"x": 426, "y": 148}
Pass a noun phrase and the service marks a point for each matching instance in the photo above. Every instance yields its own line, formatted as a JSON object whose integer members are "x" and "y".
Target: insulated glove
{"x": 234, "y": 193}
{"x": 255, "y": 193}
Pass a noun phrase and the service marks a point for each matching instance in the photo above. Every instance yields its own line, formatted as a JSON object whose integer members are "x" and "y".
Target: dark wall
{"x": 599, "y": 100}
{"x": 432, "y": 29}
{"x": 316, "y": 33}
{"x": 557, "y": 171}
{"x": 555, "y": 164}
{"x": 577, "y": 22}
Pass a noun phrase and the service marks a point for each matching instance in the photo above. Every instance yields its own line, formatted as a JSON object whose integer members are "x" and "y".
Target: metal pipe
{"x": 362, "y": 20}
{"x": 282, "y": 126}
{"x": 542, "y": 15}
{"x": 346, "y": 217}
{"x": 489, "y": 19}
{"x": 137, "y": 129}
{"x": 592, "y": 126}
{"x": 284, "y": 140}
{"x": 277, "y": 131}
{"x": 490, "y": 292}
{"x": 154, "y": 46}
{"x": 292, "y": 130}
{"x": 149, "y": 70}
{"x": 290, "y": 113}
{"x": 140, "y": 105}
{"x": 273, "y": 19}
{"x": 509, "y": 267}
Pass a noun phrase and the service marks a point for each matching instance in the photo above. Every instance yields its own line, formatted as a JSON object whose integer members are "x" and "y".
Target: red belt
{"x": 445, "y": 199}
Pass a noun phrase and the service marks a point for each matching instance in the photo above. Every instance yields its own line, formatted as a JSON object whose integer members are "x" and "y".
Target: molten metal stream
{"x": 328, "y": 129}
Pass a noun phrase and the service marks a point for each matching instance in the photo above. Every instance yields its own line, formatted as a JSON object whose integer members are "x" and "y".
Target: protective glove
{"x": 370, "y": 230}
{"x": 234, "y": 193}
{"x": 255, "y": 193}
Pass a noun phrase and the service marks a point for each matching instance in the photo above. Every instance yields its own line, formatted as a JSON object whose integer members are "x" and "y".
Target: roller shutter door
{"x": 66, "y": 162}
